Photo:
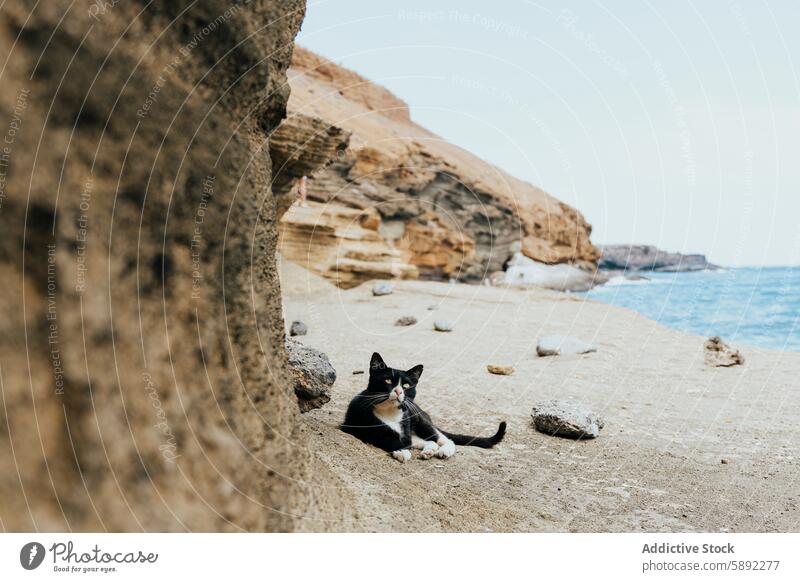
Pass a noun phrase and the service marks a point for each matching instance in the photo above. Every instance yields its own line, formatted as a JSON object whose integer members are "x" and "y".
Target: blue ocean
{"x": 755, "y": 306}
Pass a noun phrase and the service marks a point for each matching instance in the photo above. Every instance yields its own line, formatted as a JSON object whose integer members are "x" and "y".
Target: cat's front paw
{"x": 429, "y": 450}
{"x": 402, "y": 455}
{"x": 446, "y": 450}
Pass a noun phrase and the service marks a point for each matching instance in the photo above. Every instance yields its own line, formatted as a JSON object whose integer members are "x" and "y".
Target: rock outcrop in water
{"x": 632, "y": 258}
{"x": 144, "y": 376}
{"x": 450, "y": 214}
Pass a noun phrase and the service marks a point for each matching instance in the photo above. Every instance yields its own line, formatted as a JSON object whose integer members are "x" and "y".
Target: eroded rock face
{"x": 438, "y": 252}
{"x": 151, "y": 370}
{"x": 718, "y": 354}
{"x": 452, "y": 214}
{"x": 300, "y": 145}
{"x": 341, "y": 243}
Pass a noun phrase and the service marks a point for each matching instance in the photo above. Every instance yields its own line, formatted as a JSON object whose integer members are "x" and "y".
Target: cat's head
{"x": 397, "y": 385}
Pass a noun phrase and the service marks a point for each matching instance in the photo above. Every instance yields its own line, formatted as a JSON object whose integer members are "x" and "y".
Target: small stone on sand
{"x": 382, "y": 288}
{"x": 565, "y": 419}
{"x": 442, "y": 325}
{"x": 562, "y": 345}
{"x": 500, "y": 370}
{"x": 298, "y": 328}
{"x": 406, "y": 320}
{"x": 718, "y": 354}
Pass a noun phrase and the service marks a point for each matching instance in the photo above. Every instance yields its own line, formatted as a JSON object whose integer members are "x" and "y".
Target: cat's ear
{"x": 376, "y": 363}
{"x": 415, "y": 372}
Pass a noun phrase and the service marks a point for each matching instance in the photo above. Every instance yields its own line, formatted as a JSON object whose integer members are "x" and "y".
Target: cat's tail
{"x": 473, "y": 441}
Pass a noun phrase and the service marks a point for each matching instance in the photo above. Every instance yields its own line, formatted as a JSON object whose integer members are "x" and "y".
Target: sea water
{"x": 755, "y": 306}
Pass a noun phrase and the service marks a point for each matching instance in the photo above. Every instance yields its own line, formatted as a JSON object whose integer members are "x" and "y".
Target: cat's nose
{"x": 398, "y": 391}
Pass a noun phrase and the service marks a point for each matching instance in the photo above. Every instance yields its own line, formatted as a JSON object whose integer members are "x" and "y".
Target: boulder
{"x": 500, "y": 370}
{"x": 562, "y": 345}
{"x": 566, "y": 419}
{"x": 719, "y": 354}
{"x": 443, "y": 325}
{"x": 382, "y": 288}
{"x": 406, "y": 320}
{"x": 312, "y": 375}
{"x": 298, "y": 328}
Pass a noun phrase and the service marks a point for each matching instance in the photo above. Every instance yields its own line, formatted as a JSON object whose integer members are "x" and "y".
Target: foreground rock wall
{"x": 475, "y": 214}
{"x": 141, "y": 337}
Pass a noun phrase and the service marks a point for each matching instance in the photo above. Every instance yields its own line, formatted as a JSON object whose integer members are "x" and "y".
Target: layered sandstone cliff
{"x": 141, "y": 336}
{"x": 451, "y": 214}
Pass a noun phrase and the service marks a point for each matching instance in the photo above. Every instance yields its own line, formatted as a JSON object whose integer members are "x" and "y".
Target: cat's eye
{"x": 388, "y": 380}
{"x": 405, "y": 385}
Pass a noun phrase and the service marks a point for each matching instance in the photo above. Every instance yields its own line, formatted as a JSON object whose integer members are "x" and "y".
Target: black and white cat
{"x": 386, "y": 416}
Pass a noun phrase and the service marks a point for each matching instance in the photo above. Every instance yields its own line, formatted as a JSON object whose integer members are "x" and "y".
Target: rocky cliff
{"x": 450, "y": 214}
{"x": 141, "y": 336}
{"x": 633, "y": 258}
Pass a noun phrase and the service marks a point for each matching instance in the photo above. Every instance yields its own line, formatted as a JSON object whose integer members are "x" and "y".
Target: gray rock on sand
{"x": 298, "y": 328}
{"x": 719, "y": 354}
{"x": 312, "y": 375}
{"x": 382, "y": 288}
{"x": 562, "y": 345}
{"x": 443, "y": 325}
{"x": 406, "y": 320}
{"x": 566, "y": 419}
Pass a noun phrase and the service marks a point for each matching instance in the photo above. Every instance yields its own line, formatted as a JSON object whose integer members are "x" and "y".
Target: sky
{"x": 673, "y": 123}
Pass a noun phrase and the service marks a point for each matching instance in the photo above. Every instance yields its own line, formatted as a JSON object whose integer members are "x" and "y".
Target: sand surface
{"x": 657, "y": 466}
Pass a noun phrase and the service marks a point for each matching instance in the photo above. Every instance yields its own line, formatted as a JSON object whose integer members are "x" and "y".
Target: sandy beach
{"x": 685, "y": 447}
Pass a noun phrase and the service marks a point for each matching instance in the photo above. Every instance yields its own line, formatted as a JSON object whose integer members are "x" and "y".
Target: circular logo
{"x": 31, "y": 555}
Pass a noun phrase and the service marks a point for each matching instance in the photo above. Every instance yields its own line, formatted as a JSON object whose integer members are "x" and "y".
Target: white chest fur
{"x": 388, "y": 413}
